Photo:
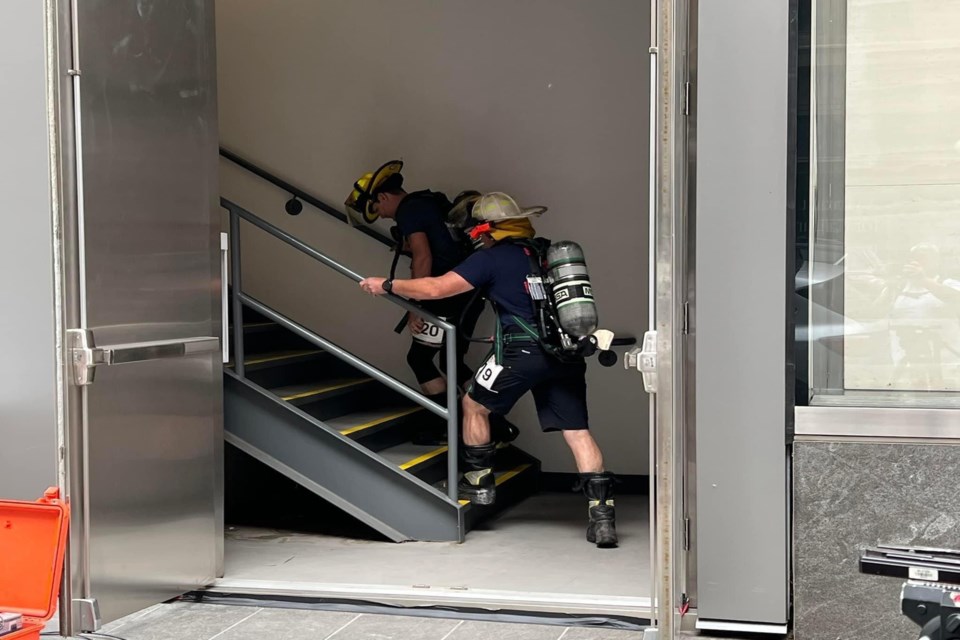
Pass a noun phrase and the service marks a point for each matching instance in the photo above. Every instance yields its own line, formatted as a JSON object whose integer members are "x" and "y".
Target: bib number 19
{"x": 488, "y": 373}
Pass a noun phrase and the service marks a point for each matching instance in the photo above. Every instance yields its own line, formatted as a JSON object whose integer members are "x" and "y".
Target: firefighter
{"x": 506, "y": 270}
{"x": 434, "y": 251}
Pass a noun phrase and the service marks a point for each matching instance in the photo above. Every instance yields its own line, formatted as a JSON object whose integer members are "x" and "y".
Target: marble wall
{"x": 848, "y": 496}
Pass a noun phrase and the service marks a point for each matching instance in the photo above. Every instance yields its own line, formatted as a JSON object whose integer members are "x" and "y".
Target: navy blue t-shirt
{"x": 502, "y": 270}
{"x": 421, "y": 212}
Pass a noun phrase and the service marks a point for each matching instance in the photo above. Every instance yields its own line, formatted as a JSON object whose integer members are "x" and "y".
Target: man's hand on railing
{"x": 373, "y": 286}
{"x": 415, "y": 323}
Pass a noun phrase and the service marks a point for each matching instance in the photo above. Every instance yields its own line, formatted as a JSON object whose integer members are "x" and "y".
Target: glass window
{"x": 879, "y": 276}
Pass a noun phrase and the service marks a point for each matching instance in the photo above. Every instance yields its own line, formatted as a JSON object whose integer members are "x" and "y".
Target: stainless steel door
{"x": 148, "y": 270}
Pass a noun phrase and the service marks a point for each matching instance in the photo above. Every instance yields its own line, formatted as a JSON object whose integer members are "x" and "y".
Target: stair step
{"x": 277, "y": 358}
{"x": 256, "y": 327}
{"x": 424, "y": 459}
{"x": 356, "y": 423}
{"x": 290, "y": 367}
{"x": 427, "y": 462}
{"x": 313, "y": 391}
{"x": 500, "y": 477}
{"x": 268, "y": 337}
{"x": 381, "y": 426}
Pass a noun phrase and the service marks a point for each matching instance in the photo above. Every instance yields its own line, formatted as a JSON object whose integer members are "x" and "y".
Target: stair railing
{"x": 293, "y": 205}
{"x": 239, "y": 299}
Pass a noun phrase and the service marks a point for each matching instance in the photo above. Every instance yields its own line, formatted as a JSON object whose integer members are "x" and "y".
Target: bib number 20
{"x": 431, "y": 334}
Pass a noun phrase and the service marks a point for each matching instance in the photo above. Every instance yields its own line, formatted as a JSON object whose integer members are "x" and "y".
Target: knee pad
{"x": 420, "y": 358}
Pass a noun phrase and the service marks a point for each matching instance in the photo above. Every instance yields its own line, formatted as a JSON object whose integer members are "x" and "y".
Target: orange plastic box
{"x": 33, "y": 539}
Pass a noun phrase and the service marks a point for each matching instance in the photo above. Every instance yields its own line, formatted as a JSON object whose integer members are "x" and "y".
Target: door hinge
{"x": 686, "y": 318}
{"x": 686, "y": 534}
{"x": 87, "y": 610}
{"x": 686, "y": 98}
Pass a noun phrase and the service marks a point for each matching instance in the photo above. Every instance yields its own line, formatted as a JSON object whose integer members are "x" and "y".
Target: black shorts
{"x": 559, "y": 388}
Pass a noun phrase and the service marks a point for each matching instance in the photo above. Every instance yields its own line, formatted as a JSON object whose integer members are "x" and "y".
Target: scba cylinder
{"x": 572, "y": 293}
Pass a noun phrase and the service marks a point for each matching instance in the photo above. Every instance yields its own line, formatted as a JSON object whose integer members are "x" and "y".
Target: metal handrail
{"x": 299, "y": 194}
{"x": 238, "y": 299}
{"x": 344, "y": 355}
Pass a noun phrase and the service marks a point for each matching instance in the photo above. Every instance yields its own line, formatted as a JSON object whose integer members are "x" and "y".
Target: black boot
{"x": 478, "y": 484}
{"x": 602, "y": 525}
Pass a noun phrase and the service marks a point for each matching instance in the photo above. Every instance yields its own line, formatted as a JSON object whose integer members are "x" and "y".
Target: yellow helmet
{"x": 366, "y": 188}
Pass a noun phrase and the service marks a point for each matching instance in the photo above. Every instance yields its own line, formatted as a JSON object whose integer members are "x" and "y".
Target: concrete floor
{"x": 537, "y": 546}
{"x": 187, "y": 621}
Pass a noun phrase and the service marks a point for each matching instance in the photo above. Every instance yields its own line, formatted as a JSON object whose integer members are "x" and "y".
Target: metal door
{"x": 143, "y": 263}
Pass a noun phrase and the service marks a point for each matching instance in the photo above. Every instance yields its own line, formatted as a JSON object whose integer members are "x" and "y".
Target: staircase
{"x": 330, "y": 422}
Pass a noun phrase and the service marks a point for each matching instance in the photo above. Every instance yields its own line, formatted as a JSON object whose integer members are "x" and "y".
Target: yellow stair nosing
{"x": 381, "y": 420}
{"x": 333, "y": 387}
{"x": 282, "y": 356}
{"x": 420, "y": 459}
{"x": 513, "y": 472}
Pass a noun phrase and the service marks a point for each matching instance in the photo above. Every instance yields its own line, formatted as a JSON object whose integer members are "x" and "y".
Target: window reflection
{"x": 878, "y": 281}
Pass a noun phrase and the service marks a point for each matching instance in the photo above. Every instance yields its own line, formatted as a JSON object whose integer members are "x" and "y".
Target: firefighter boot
{"x": 477, "y": 484}
{"x": 602, "y": 525}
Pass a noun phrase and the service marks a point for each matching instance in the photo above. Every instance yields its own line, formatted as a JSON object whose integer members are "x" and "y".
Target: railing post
{"x": 453, "y": 437}
{"x": 236, "y": 289}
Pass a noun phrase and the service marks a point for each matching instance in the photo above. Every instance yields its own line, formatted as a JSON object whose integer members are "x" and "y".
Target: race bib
{"x": 487, "y": 374}
{"x": 431, "y": 334}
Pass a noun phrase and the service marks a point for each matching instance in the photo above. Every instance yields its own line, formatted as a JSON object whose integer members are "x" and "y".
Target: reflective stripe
{"x": 474, "y": 477}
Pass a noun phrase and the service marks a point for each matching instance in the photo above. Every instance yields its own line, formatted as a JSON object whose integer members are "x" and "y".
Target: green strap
{"x": 498, "y": 341}
{"x": 527, "y": 329}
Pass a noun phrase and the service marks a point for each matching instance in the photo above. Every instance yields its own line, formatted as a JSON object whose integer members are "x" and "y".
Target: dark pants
{"x": 460, "y": 311}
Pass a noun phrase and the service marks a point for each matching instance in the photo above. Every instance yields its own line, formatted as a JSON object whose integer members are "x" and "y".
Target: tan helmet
{"x": 499, "y": 216}
{"x": 495, "y": 206}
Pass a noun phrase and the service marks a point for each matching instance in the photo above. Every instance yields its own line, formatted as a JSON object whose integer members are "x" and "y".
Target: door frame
{"x": 670, "y": 268}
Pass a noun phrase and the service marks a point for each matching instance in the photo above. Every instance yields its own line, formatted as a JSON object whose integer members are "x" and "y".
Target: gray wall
{"x": 849, "y": 496}
{"x": 28, "y": 410}
{"x": 544, "y": 99}
{"x": 742, "y": 120}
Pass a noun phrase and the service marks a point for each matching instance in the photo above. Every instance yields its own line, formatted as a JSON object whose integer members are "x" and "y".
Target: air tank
{"x": 572, "y": 293}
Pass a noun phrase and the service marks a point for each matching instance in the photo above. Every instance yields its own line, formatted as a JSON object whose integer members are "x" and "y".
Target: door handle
{"x": 85, "y": 357}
